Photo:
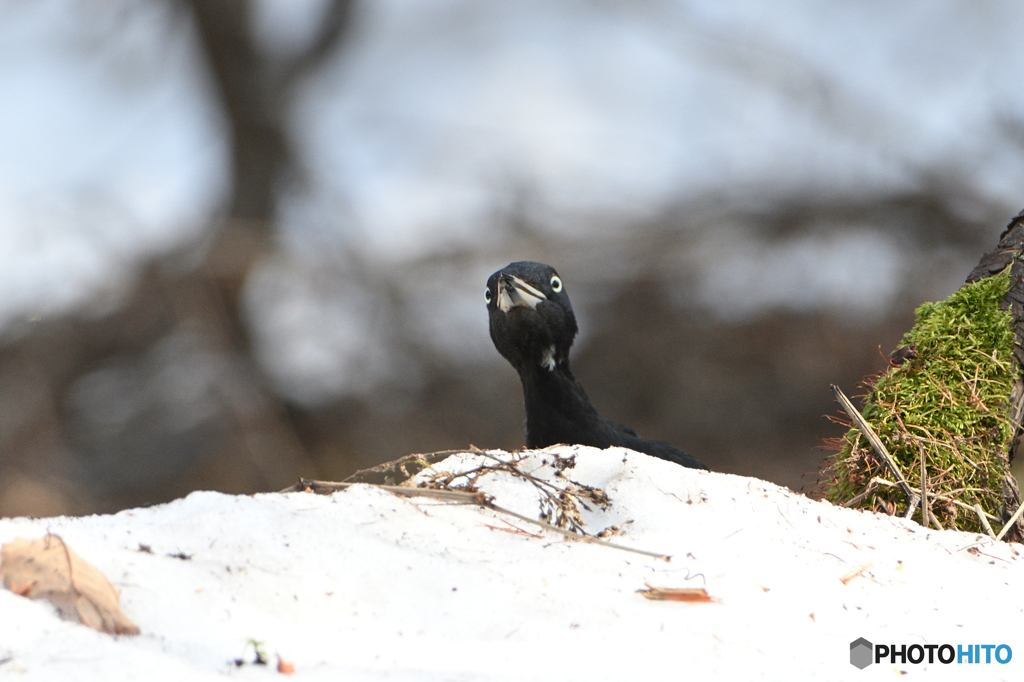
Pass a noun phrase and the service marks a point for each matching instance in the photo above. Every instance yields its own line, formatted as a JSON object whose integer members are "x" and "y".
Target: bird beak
{"x": 513, "y": 291}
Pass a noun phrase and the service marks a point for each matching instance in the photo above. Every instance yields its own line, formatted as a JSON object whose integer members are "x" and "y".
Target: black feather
{"x": 533, "y": 327}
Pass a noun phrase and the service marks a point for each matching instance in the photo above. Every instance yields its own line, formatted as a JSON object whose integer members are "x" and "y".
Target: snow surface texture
{"x": 365, "y": 585}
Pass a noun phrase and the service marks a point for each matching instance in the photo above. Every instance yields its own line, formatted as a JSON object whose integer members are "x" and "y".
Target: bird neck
{"x": 556, "y": 405}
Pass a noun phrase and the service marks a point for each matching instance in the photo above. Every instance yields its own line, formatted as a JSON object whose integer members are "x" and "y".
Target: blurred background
{"x": 244, "y": 241}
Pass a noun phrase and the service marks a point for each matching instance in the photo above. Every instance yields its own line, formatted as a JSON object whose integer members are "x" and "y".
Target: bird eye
{"x": 556, "y": 284}
{"x": 487, "y": 295}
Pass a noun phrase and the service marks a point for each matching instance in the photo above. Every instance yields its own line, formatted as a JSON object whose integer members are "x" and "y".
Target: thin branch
{"x": 925, "y": 510}
{"x": 479, "y": 498}
{"x": 876, "y": 481}
{"x": 984, "y": 521}
{"x": 328, "y": 487}
{"x": 845, "y": 579}
{"x": 332, "y": 29}
{"x": 576, "y": 536}
{"x": 871, "y": 487}
{"x": 873, "y": 439}
{"x": 912, "y": 507}
{"x": 1009, "y": 524}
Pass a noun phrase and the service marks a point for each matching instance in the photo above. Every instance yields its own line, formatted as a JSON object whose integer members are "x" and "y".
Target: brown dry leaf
{"x": 49, "y": 569}
{"x": 686, "y": 594}
{"x": 284, "y": 667}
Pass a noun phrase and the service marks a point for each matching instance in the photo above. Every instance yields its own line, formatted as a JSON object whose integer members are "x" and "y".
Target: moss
{"x": 950, "y": 403}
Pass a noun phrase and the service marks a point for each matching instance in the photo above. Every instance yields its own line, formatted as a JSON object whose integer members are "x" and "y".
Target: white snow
{"x": 365, "y": 585}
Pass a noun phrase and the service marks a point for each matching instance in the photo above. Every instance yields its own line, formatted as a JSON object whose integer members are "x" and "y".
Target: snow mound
{"x": 367, "y": 585}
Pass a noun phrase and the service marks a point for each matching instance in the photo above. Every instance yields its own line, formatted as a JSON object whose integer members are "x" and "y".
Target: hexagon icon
{"x": 861, "y": 653}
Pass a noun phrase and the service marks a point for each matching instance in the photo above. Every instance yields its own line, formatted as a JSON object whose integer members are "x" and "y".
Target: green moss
{"x": 951, "y": 403}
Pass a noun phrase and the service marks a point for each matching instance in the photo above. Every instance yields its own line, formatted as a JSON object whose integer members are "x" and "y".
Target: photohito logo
{"x": 860, "y": 653}
{"x": 863, "y": 653}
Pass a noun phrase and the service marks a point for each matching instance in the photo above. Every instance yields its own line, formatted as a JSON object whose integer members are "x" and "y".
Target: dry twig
{"x": 854, "y": 573}
{"x": 684, "y": 594}
{"x": 1009, "y": 524}
{"x": 874, "y": 440}
{"x": 984, "y": 521}
{"x": 476, "y": 497}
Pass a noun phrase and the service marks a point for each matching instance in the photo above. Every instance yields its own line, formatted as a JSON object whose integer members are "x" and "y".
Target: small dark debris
{"x": 902, "y": 355}
{"x": 563, "y": 463}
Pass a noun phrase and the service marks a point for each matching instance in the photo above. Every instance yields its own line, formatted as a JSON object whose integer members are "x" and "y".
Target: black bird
{"x": 533, "y": 327}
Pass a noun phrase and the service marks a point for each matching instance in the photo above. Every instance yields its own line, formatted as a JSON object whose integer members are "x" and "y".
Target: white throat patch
{"x": 547, "y": 360}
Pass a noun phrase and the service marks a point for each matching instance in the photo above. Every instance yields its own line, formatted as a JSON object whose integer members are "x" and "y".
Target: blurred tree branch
{"x": 251, "y": 442}
{"x": 254, "y": 93}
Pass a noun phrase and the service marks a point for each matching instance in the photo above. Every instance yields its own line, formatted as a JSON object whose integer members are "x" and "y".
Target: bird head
{"x": 531, "y": 319}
